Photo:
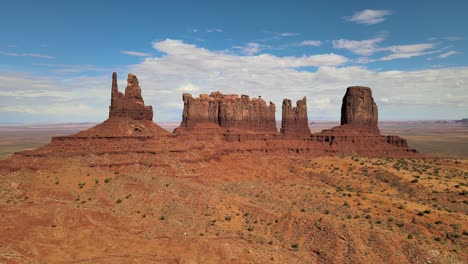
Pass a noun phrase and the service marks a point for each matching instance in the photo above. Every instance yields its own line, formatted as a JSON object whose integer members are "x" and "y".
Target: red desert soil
{"x": 228, "y": 188}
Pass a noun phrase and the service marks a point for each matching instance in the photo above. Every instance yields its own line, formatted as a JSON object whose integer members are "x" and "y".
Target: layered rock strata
{"x": 227, "y": 113}
{"x": 294, "y": 121}
{"x": 359, "y": 109}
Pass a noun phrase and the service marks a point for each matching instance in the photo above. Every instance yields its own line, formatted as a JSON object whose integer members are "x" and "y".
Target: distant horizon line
{"x": 174, "y": 121}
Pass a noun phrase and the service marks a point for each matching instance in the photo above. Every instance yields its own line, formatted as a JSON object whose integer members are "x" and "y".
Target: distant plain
{"x": 435, "y": 138}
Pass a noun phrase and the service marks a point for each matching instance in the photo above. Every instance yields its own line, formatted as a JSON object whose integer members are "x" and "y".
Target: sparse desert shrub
{"x": 162, "y": 217}
{"x": 295, "y": 246}
{"x": 410, "y": 236}
{"x": 107, "y": 180}
{"x": 81, "y": 185}
{"x": 227, "y": 218}
{"x": 118, "y": 200}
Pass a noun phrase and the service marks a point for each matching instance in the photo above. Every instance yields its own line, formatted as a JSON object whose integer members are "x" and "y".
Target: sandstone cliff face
{"x": 294, "y": 122}
{"x": 132, "y": 104}
{"x": 397, "y": 141}
{"x": 358, "y": 108}
{"x": 229, "y": 112}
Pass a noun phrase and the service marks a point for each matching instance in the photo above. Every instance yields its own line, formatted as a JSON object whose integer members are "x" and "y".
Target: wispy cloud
{"x": 251, "y": 48}
{"x": 447, "y": 54}
{"x": 70, "y": 68}
{"x": 369, "y": 16}
{"x": 368, "y": 47}
{"x": 314, "y": 43}
{"x": 360, "y": 47}
{"x": 453, "y": 38}
{"x": 34, "y": 55}
{"x": 135, "y": 53}
{"x": 288, "y": 34}
{"x": 213, "y": 30}
{"x": 409, "y": 51}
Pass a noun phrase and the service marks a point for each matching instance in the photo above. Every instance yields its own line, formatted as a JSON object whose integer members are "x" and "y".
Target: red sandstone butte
{"x": 294, "y": 121}
{"x": 227, "y": 113}
{"x": 359, "y": 109}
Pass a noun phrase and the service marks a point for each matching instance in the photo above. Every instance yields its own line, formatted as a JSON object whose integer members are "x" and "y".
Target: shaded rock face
{"x": 397, "y": 141}
{"x": 358, "y": 108}
{"x": 294, "y": 122}
{"x": 228, "y": 111}
{"x": 131, "y": 104}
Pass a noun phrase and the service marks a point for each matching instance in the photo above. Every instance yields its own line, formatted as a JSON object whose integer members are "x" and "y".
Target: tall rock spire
{"x": 132, "y": 104}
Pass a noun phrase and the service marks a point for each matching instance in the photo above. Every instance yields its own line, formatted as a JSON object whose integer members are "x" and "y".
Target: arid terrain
{"x": 228, "y": 187}
{"x": 239, "y": 209}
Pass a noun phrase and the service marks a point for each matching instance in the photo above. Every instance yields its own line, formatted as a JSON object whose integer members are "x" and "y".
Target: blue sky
{"x": 56, "y": 57}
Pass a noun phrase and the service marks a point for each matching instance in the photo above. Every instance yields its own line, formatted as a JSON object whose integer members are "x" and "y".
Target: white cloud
{"x": 369, "y": 16}
{"x": 70, "y": 68}
{"x": 34, "y": 55}
{"x": 135, "y": 53}
{"x": 368, "y": 47}
{"x": 213, "y": 30}
{"x": 430, "y": 93}
{"x": 189, "y": 88}
{"x": 288, "y": 34}
{"x": 361, "y": 47}
{"x": 314, "y": 43}
{"x": 408, "y": 51}
{"x": 447, "y": 54}
{"x": 252, "y": 48}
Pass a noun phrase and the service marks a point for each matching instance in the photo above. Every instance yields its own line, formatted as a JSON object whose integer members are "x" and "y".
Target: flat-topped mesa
{"x": 131, "y": 104}
{"x": 227, "y": 111}
{"x": 359, "y": 109}
{"x": 294, "y": 122}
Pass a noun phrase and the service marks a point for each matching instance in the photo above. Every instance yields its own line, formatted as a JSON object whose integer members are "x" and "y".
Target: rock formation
{"x": 132, "y": 104}
{"x": 359, "y": 109}
{"x": 294, "y": 121}
{"x": 228, "y": 112}
{"x": 214, "y": 126}
{"x": 397, "y": 141}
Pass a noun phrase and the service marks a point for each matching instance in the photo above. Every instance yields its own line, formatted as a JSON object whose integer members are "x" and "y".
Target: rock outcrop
{"x": 294, "y": 122}
{"x": 359, "y": 109}
{"x": 397, "y": 141}
{"x": 131, "y": 104}
{"x": 228, "y": 112}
